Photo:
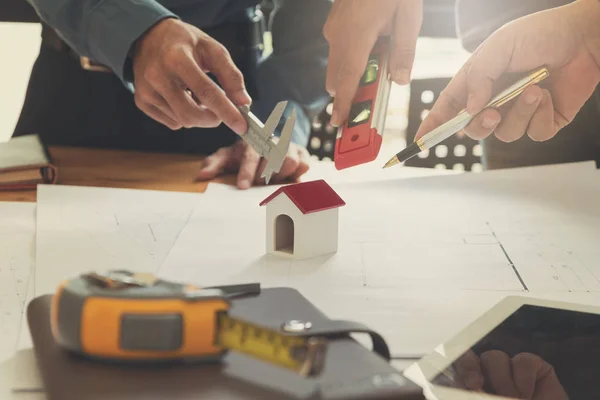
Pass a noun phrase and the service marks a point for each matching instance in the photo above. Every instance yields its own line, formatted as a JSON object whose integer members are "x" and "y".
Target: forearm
{"x": 103, "y": 30}
{"x": 297, "y": 68}
{"x": 478, "y": 19}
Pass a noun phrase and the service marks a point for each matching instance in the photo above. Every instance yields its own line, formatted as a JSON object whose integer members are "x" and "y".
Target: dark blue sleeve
{"x": 296, "y": 70}
{"x": 103, "y": 30}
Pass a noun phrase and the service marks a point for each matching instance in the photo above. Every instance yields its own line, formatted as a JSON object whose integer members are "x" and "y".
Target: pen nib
{"x": 392, "y": 162}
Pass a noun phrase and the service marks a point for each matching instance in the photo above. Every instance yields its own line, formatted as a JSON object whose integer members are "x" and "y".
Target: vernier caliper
{"x": 260, "y": 137}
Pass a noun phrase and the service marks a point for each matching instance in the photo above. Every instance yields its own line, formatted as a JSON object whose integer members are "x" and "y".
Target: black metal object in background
{"x": 322, "y": 138}
{"x": 458, "y": 151}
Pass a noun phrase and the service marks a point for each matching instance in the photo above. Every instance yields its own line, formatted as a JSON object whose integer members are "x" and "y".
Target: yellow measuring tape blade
{"x": 302, "y": 355}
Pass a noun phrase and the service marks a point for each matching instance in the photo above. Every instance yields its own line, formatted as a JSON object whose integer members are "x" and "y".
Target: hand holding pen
{"x": 566, "y": 40}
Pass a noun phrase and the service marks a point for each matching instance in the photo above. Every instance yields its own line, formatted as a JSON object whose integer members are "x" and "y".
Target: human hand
{"x": 525, "y": 376}
{"x": 173, "y": 57}
{"x": 555, "y": 38}
{"x": 243, "y": 159}
{"x": 352, "y": 30}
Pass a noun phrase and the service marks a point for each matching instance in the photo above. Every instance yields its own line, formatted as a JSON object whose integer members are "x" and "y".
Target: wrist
{"x": 114, "y": 25}
{"x": 137, "y": 45}
{"x": 156, "y": 29}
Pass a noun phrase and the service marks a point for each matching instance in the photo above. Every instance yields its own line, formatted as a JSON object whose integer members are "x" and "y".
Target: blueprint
{"x": 83, "y": 229}
{"x": 17, "y": 261}
{"x": 418, "y": 258}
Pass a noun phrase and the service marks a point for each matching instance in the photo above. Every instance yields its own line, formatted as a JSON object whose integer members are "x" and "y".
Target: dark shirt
{"x": 104, "y": 30}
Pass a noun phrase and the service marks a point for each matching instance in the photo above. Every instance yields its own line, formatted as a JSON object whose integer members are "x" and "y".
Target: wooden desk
{"x": 176, "y": 172}
{"x": 122, "y": 169}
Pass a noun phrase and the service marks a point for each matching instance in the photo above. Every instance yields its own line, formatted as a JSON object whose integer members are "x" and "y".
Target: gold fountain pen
{"x": 463, "y": 119}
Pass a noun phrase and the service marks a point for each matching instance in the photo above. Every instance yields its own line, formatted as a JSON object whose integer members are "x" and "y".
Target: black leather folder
{"x": 352, "y": 371}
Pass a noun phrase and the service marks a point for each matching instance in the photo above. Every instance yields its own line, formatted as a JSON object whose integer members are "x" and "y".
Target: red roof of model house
{"x": 310, "y": 197}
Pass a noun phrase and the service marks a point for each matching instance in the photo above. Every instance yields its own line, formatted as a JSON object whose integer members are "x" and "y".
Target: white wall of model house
{"x": 295, "y": 235}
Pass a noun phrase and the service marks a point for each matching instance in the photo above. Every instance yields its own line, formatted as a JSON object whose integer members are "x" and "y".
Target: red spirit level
{"x": 359, "y": 139}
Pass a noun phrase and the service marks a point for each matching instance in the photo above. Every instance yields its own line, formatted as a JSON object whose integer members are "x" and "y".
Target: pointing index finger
{"x": 219, "y": 61}
{"x": 211, "y": 96}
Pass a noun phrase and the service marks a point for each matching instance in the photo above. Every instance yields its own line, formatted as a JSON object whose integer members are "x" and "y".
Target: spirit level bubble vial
{"x": 359, "y": 140}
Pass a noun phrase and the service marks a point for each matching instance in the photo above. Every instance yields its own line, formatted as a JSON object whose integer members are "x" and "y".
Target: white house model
{"x": 302, "y": 220}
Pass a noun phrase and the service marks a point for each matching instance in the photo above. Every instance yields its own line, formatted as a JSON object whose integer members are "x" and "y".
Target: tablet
{"x": 523, "y": 348}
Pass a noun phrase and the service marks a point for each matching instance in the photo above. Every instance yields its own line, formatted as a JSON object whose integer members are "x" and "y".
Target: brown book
{"x": 25, "y": 163}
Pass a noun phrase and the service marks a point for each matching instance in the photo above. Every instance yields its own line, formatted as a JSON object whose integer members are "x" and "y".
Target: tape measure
{"x": 359, "y": 140}
{"x": 128, "y": 317}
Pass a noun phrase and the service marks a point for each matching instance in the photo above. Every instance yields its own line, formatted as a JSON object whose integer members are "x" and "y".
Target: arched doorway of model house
{"x": 284, "y": 234}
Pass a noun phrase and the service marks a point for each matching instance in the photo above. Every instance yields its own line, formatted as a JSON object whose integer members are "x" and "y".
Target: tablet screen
{"x": 536, "y": 353}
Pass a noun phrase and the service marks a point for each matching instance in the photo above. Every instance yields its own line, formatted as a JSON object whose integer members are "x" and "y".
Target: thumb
{"x": 472, "y": 86}
{"x": 409, "y": 18}
{"x": 488, "y": 64}
{"x": 215, "y": 164}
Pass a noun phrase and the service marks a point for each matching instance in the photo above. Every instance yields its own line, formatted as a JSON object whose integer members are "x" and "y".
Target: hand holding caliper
{"x": 260, "y": 137}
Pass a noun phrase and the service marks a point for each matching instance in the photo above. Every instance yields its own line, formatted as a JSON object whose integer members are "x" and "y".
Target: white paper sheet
{"x": 25, "y": 374}
{"x": 454, "y": 244}
{"x": 24, "y": 341}
{"x": 369, "y": 172}
{"x": 17, "y": 261}
{"x": 6, "y": 368}
{"x": 81, "y": 229}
